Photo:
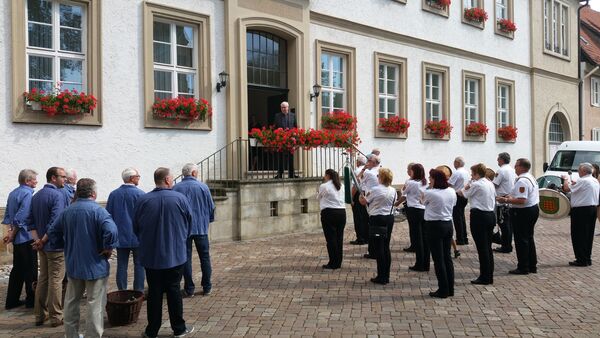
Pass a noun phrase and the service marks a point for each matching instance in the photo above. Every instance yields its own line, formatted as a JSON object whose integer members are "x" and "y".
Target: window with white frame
{"x": 333, "y": 82}
{"x": 56, "y": 46}
{"x": 595, "y": 91}
{"x": 503, "y": 105}
{"x": 174, "y": 57}
{"x": 433, "y": 96}
{"x": 388, "y": 90}
{"x": 502, "y": 9}
{"x": 556, "y": 134}
{"x": 470, "y": 3}
{"x": 556, "y": 27}
{"x": 472, "y": 105}
{"x": 596, "y": 134}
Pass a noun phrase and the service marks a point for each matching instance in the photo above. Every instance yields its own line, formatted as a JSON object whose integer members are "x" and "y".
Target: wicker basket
{"x": 123, "y": 307}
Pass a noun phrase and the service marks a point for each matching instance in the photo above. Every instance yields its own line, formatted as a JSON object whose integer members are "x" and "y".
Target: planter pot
{"x": 475, "y": 135}
{"x": 254, "y": 142}
{"x": 37, "y": 106}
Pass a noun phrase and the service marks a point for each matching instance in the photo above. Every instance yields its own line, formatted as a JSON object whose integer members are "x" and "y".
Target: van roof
{"x": 580, "y": 145}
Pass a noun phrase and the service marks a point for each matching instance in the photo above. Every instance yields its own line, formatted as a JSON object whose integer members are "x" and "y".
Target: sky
{"x": 595, "y": 4}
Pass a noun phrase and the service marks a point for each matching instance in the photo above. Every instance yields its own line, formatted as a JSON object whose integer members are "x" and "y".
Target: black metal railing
{"x": 248, "y": 160}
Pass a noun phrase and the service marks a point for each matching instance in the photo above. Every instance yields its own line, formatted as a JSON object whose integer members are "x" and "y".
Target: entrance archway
{"x": 557, "y": 133}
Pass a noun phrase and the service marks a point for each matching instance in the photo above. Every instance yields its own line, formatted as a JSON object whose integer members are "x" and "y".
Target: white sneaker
{"x": 188, "y": 330}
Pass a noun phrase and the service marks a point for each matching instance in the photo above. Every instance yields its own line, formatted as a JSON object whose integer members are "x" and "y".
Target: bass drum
{"x": 553, "y": 204}
{"x": 445, "y": 169}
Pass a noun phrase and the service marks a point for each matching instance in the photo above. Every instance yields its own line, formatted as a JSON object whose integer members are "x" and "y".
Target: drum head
{"x": 553, "y": 204}
{"x": 445, "y": 169}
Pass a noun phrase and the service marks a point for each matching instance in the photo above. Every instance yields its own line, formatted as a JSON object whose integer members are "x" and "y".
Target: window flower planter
{"x": 476, "y": 14}
{"x": 439, "y": 4}
{"x": 439, "y": 129}
{"x": 508, "y": 133}
{"x": 280, "y": 140}
{"x": 477, "y": 129}
{"x": 66, "y": 102}
{"x": 182, "y": 109}
{"x": 338, "y": 120}
{"x": 393, "y": 125}
{"x": 507, "y": 26}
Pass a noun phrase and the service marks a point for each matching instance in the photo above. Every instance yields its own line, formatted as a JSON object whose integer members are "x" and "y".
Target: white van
{"x": 567, "y": 159}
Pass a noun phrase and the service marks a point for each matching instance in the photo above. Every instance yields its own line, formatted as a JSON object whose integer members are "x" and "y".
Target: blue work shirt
{"x": 121, "y": 202}
{"x": 46, "y": 205}
{"x": 69, "y": 192}
{"x": 201, "y": 202}
{"x": 162, "y": 222}
{"x": 86, "y": 229}
{"x": 17, "y": 211}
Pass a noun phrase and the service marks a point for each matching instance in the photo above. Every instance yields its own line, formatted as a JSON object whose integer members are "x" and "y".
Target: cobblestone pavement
{"x": 276, "y": 287}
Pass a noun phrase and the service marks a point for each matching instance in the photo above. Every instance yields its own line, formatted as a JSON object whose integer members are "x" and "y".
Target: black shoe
{"x": 456, "y": 253}
{"x": 416, "y": 268}
{"x": 278, "y": 177}
{"x": 438, "y": 294}
{"x": 369, "y": 256}
{"x": 294, "y": 176}
{"x": 577, "y": 263}
{"x": 409, "y": 249}
{"x": 480, "y": 282}
{"x": 518, "y": 272}
{"x": 206, "y": 292}
{"x": 533, "y": 270}
{"x": 15, "y": 305}
{"x": 327, "y": 266}
{"x": 358, "y": 242}
{"x": 502, "y": 250}
{"x": 379, "y": 281}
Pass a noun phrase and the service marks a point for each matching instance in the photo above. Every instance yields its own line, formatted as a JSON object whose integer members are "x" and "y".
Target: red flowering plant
{"x": 477, "y": 129}
{"x": 65, "y": 102}
{"x": 439, "y": 128}
{"x": 506, "y": 26}
{"x": 508, "y": 133}
{"x": 339, "y": 120}
{"x": 476, "y": 14}
{"x": 439, "y": 3}
{"x": 182, "y": 108}
{"x": 393, "y": 125}
{"x": 280, "y": 139}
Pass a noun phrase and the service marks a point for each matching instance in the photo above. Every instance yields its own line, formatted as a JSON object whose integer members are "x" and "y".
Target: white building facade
{"x": 379, "y": 58}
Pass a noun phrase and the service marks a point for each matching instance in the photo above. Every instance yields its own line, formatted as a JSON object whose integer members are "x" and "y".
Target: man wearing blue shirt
{"x": 203, "y": 210}
{"x": 25, "y": 263}
{"x": 70, "y": 183}
{"x": 163, "y": 222}
{"x": 121, "y": 202}
{"x": 89, "y": 236}
{"x": 46, "y": 205}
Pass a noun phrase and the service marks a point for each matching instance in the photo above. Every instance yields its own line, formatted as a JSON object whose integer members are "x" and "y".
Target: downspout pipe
{"x": 579, "y": 75}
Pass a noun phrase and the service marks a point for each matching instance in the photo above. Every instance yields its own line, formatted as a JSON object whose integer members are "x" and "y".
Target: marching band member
{"x": 415, "y": 211}
{"x": 368, "y": 181}
{"x": 504, "y": 182}
{"x": 584, "y": 202}
{"x": 359, "y": 212}
{"x": 482, "y": 197}
{"x": 333, "y": 217}
{"x": 457, "y": 181}
{"x": 439, "y": 201}
{"x": 524, "y": 212}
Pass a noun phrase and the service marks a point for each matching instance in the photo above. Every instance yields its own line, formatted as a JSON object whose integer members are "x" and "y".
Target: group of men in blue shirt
{"x": 158, "y": 228}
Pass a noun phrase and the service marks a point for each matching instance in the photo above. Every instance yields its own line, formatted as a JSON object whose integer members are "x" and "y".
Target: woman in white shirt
{"x": 380, "y": 203}
{"x": 439, "y": 201}
{"x": 415, "y": 212}
{"x": 482, "y": 198}
{"x": 333, "y": 217}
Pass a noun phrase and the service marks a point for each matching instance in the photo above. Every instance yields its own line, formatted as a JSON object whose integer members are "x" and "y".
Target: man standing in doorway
{"x": 285, "y": 120}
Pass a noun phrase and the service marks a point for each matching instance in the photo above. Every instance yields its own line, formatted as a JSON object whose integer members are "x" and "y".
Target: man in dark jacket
{"x": 285, "y": 120}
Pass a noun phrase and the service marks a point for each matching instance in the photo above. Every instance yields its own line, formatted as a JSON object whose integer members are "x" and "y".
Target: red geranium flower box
{"x": 476, "y": 14}
{"x": 477, "y": 129}
{"x": 438, "y": 128}
{"x": 65, "y": 102}
{"x": 442, "y": 4}
{"x": 508, "y": 133}
{"x": 393, "y": 125}
{"x": 506, "y": 26}
{"x": 182, "y": 108}
{"x": 340, "y": 120}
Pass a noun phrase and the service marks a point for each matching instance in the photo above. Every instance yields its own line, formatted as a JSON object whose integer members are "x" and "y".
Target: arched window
{"x": 267, "y": 59}
{"x": 556, "y": 134}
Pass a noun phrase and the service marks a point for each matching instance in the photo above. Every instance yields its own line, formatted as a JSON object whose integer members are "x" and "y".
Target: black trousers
{"x": 523, "y": 221}
{"x": 285, "y": 158}
{"x": 333, "y": 222}
{"x": 419, "y": 243}
{"x": 458, "y": 217}
{"x": 380, "y": 231}
{"x": 439, "y": 235}
{"x": 583, "y": 225}
{"x": 361, "y": 220}
{"x": 506, "y": 233}
{"x": 24, "y": 271}
{"x": 159, "y": 282}
{"x": 482, "y": 229}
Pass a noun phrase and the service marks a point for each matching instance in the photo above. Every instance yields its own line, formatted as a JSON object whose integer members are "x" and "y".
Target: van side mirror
{"x": 545, "y": 166}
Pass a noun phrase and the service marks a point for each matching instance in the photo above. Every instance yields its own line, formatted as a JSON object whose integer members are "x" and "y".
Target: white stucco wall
{"x": 103, "y": 152}
{"x": 431, "y": 153}
{"x": 411, "y": 20}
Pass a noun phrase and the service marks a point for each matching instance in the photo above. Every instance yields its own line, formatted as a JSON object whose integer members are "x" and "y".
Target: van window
{"x": 566, "y": 160}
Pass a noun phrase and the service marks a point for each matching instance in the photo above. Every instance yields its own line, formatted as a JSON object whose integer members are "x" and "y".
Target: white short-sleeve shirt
{"x": 369, "y": 179}
{"x": 481, "y": 195}
{"x": 504, "y": 180}
{"x": 413, "y": 190}
{"x": 330, "y": 197}
{"x": 380, "y": 200}
{"x": 458, "y": 179}
{"x": 526, "y": 187}
{"x": 584, "y": 192}
{"x": 439, "y": 204}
